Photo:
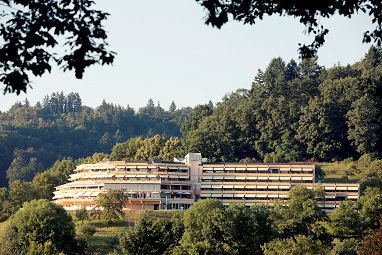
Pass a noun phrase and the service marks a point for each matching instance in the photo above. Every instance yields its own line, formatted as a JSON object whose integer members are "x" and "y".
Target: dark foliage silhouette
{"x": 36, "y": 33}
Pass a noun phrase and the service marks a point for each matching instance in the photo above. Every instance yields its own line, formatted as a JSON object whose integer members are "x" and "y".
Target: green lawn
{"x": 342, "y": 172}
{"x": 106, "y": 239}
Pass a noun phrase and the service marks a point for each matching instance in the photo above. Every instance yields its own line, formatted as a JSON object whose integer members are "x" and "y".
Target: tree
{"x": 203, "y": 230}
{"x": 150, "y": 148}
{"x": 148, "y": 110}
{"x": 351, "y": 246}
{"x": 44, "y": 183}
{"x": 308, "y": 13}
{"x": 365, "y": 160}
{"x": 172, "y": 107}
{"x": 372, "y": 244}
{"x": 298, "y": 245}
{"x": 106, "y": 141}
{"x": 31, "y": 31}
{"x": 87, "y": 229}
{"x": 82, "y": 214}
{"x": 73, "y": 102}
{"x": 39, "y": 227}
{"x": 371, "y": 208}
{"x": 375, "y": 182}
{"x": 95, "y": 158}
{"x": 211, "y": 228}
{"x": 118, "y": 151}
{"x": 299, "y": 216}
{"x": 376, "y": 167}
{"x": 149, "y": 236}
{"x": 364, "y": 127}
{"x": 3, "y": 197}
{"x": 320, "y": 127}
{"x": 18, "y": 193}
{"x": 112, "y": 204}
{"x": 345, "y": 220}
{"x": 247, "y": 228}
{"x": 25, "y": 165}
{"x": 118, "y": 136}
{"x": 172, "y": 148}
{"x": 158, "y": 112}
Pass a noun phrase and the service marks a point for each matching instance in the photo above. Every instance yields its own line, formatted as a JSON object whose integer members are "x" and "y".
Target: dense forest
{"x": 32, "y": 138}
{"x": 292, "y": 112}
{"x": 295, "y": 112}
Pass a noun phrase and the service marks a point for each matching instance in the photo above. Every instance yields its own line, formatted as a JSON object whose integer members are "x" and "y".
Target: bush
{"x": 297, "y": 245}
{"x": 348, "y": 160}
{"x": 371, "y": 182}
{"x": 82, "y": 214}
{"x": 376, "y": 167}
{"x": 87, "y": 230}
{"x": 271, "y": 158}
{"x": 248, "y": 160}
{"x": 320, "y": 174}
{"x": 365, "y": 160}
{"x": 349, "y": 246}
{"x": 352, "y": 168}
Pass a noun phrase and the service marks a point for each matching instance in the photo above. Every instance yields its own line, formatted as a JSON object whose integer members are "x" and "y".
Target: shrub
{"x": 376, "y": 167}
{"x": 82, "y": 214}
{"x": 348, "y": 160}
{"x": 87, "y": 230}
{"x": 365, "y": 160}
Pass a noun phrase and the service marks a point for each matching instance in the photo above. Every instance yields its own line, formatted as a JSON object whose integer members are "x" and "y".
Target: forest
{"x": 293, "y": 112}
{"x": 32, "y": 138}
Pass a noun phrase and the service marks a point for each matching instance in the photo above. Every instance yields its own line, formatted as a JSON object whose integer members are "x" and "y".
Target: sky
{"x": 167, "y": 53}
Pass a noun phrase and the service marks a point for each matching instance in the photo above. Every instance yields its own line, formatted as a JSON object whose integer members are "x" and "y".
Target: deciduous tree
{"x": 112, "y": 204}
{"x": 149, "y": 236}
{"x": 298, "y": 245}
{"x": 32, "y": 32}
{"x": 40, "y": 227}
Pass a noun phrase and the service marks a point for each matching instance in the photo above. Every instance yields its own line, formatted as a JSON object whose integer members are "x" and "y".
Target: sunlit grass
{"x": 3, "y": 227}
{"x": 343, "y": 172}
{"x": 106, "y": 239}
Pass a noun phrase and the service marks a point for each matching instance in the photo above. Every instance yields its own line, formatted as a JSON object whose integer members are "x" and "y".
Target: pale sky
{"x": 166, "y": 52}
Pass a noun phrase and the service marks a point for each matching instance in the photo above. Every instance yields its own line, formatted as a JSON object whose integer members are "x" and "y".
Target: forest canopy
{"x": 32, "y": 138}
{"x": 295, "y": 112}
{"x": 292, "y": 112}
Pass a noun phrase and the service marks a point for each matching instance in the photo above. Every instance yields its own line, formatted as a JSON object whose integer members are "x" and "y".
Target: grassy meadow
{"x": 343, "y": 172}
{"x": 106, "y": 238}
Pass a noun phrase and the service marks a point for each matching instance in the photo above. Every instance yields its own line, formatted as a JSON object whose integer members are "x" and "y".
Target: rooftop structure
{"x": 176, "y": 185}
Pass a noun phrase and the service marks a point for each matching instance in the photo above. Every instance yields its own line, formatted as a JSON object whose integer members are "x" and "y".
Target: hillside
{"x": 33, "y": 137}
{"x": 293, "y": 112}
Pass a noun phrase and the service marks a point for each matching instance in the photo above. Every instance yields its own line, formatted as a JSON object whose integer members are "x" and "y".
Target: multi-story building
{"x": 176, "y": 185}
{"x": 147, "y": 185}
{"x": 256, "y": 183}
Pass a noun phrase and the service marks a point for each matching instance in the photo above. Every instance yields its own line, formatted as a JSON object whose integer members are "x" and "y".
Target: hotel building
{"x": 177, "y": 185}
